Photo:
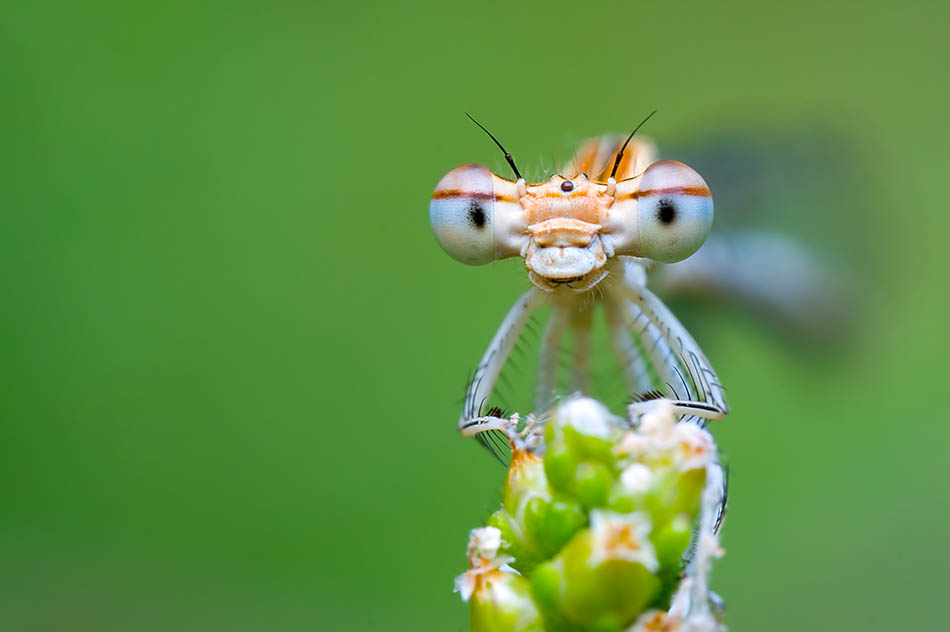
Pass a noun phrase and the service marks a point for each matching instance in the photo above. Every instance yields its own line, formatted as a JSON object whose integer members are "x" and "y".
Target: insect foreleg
{"x": 705, "y": 397}
{"x": 708, "y": 389}
{"x": 581, "y": 323}
{"x": 657, "y": 348}
{"x": 546, "y": 384}
{"x": 483, "y": 382}
{"x": 630, "y": 359}
{"x": 693, "y": 598}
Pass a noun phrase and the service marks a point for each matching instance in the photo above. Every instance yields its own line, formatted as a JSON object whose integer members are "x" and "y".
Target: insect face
{"x": 567, "y": 229}
{"x": 565, "y": 246}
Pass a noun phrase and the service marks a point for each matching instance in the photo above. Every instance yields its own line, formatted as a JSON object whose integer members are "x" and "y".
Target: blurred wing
{"x": 789, "y": 233}
{"x": 596, "y": 158}
{"x": 808, "y": 181}
{"x": 776, "y": 276}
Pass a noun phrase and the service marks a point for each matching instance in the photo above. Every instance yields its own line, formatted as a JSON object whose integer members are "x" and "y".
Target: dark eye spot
{"x": 666, "y": 211}
{"x": 476, "y": 214}
{"x": 567, "y": 186}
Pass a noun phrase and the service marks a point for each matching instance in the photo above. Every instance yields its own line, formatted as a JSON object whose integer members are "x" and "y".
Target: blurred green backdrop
{"x": 232, "y": 350}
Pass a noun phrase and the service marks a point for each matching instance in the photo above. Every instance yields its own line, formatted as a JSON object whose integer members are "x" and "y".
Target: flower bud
{"x": 502, "y": 603}
{"x": 534, "y": 523}
{"x": 603, "y": 577}
{"x": 580, "y": 462}
{"x": 592, "y": 536}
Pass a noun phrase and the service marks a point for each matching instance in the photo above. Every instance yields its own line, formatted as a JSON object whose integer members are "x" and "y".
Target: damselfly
{"x": 587, "y": 235}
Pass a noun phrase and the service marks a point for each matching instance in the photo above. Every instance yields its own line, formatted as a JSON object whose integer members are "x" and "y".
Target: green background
{"x": 232, "y": 350}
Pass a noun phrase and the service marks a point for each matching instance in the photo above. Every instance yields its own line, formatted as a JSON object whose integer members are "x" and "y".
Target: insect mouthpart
{"x": 577, "y": 284}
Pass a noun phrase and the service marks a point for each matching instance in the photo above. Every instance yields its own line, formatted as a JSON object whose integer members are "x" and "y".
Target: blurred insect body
{"x": 586, "y": 238}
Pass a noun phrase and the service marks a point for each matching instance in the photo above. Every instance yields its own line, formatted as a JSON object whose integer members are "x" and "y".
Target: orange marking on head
{"x": 442, "y": 194}
{"x": 547, "y": 200}
{"x": 697, "y": 191}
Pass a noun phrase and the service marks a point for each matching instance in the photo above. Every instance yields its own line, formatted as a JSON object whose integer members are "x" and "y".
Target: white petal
{"x": 588, "y": 416}
{"x": 636, "y": 478}
{"x": 622, "y": 536}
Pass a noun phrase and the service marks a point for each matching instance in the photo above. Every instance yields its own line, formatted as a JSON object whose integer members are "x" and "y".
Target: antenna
{"x": 619, "y": 153}
{"x": 511, "y": 161}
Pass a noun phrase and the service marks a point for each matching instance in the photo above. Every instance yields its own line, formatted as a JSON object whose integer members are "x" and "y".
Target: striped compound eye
{"x": 674, "y": 211}
{"x": 462, "y": 214}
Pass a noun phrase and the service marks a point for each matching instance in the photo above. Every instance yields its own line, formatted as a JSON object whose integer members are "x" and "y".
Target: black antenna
{"x": 511, "y": 161}
{"x": 620, "y": 153}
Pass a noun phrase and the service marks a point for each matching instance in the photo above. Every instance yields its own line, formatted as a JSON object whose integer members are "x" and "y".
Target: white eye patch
{"x": 462, "y": 214}
{"x": 667, "y": 217}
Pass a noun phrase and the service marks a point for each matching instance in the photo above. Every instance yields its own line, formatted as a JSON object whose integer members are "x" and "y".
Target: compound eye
{"x": 462, "y": 214}
{"x": 675, "y": 211}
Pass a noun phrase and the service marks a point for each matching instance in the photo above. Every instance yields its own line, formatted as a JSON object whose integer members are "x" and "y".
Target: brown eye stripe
{"x": 442, "y": 194}
{"x": 697, "y": 191}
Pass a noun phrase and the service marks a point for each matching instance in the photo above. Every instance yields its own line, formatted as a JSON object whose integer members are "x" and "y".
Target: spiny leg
{"x": 707, "y": 394}
{"x": 654, "y": 347}
{"x": 657, "y": 349}
{"x": 705, "y": 398}
{"x": 693, "y": 598}
{"x": 632, "y": 364}
{"x": 483, "y": 382}
{"x": 546, "y": 385}
{"x": 581, "y": 322}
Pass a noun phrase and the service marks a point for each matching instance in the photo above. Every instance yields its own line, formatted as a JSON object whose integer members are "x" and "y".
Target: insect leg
{"x": 693, "y": 598}
{"x": 705, "y": 397}
{"x": 581, "y": 323}
{"x": 665, "y": 363}
{"x": 483, "y": 382}
{"x": 632, "y": 363}
{"x": 708, "y": 390}
{"x": 546, "y": 385}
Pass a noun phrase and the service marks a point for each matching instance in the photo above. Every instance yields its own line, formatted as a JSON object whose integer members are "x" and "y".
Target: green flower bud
{"x": 551, "y": 524}
{"x": 579, "y": 461}
{"x": 560, "y": 466}
{"x": 587, "y": 426}
{"x": 675, "y": 493}
{"x": 592, "y": 483}
{"x": 603, "y": 577}
{"x": 526, "y": 479}
{"x": 597, "y": 528}
{"x": 586, "y": 447}
{"x": 621, "y": 501}
{"x": 512, "y": 540}
{"x": 502, "y": 602}
{"x": 534, "y": 526}
{"x": 670, "y": 543}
